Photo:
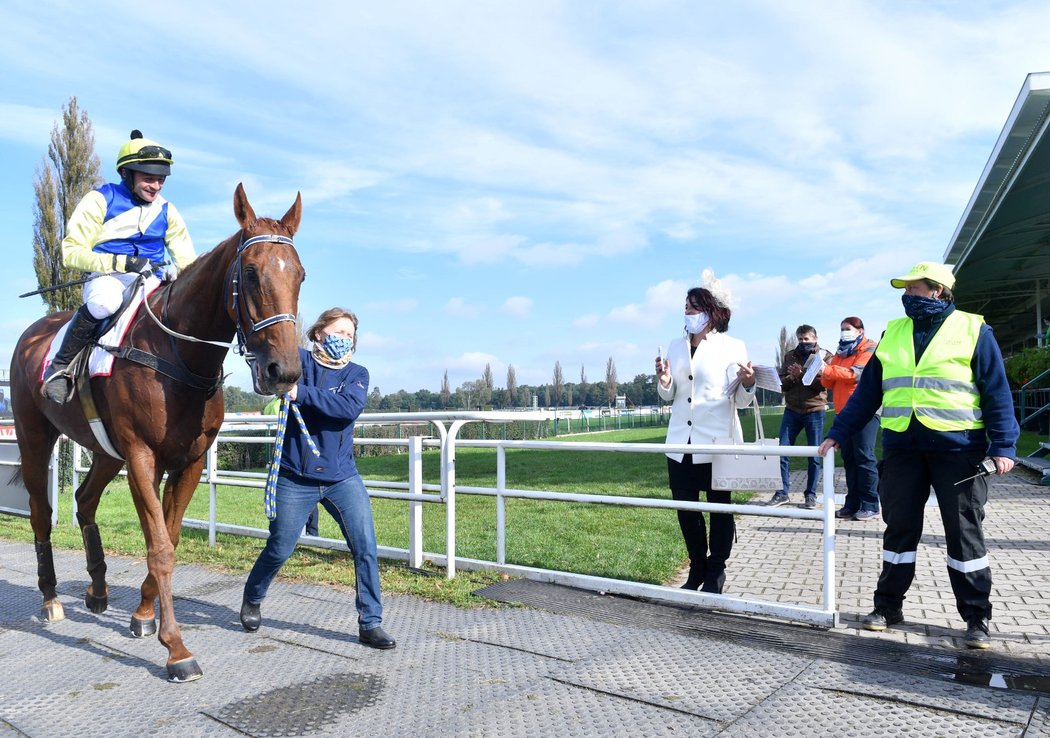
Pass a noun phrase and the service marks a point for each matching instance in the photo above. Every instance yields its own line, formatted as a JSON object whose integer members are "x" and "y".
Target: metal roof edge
{"x": 1036, "y": 86}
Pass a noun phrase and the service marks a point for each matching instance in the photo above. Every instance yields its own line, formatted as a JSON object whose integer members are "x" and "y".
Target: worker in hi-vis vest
{"x": 947, "y": 422}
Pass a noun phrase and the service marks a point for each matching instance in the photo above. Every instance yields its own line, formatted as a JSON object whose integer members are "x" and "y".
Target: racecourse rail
{"x": 415, "y": 493}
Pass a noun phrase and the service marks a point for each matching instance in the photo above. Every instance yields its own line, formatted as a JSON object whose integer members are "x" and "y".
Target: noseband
{"x": 242, "y": 317}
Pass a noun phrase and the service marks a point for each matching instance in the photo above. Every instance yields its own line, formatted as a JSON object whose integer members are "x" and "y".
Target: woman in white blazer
{"x": 694, "y": 376}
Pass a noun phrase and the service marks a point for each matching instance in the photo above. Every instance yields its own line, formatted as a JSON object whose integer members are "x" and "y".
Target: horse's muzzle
{"x": 276, "y": 377}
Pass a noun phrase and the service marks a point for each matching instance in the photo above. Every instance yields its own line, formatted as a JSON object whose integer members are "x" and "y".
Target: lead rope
{"x": 270, "y": 494}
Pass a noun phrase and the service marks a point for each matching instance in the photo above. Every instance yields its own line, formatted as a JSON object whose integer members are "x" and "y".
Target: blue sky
{"x": 530, "y": 182}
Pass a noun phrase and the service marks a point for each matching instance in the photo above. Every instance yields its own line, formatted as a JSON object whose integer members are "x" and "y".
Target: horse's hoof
{"x": 52, "y": 611}
{"x": 97, "y": 605}
{"x": 184, "y": 671}
{"x": 142, "y": 627}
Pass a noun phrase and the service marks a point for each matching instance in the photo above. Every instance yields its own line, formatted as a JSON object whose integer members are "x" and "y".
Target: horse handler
{"x": 316, "y": 465}
{"x": 947, "y": 422}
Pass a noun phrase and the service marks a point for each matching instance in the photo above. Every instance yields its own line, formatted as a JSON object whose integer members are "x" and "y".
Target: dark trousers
{"x": 904, "y": 485}
{"x": 791, "y": 425}
{"x": 707, "y": 557}
{"x": 862, "y": 475}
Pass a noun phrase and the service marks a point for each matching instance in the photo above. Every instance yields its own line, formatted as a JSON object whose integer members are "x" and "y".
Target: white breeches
{"x": 104, "y": 295}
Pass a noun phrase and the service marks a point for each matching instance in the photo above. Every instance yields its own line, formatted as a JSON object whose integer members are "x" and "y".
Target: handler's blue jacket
{"x": 330, "y": 401}
{"x": 997, "y": 438}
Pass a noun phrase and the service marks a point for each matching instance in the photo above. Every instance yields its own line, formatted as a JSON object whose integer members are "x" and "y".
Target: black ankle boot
{"x": 58, "y": 380}
{"x": 695, "y": 578}
{"x": 251, "y": 616}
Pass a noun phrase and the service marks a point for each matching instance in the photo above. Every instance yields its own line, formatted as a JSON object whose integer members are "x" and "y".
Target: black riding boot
{"x": 58, "y": 380}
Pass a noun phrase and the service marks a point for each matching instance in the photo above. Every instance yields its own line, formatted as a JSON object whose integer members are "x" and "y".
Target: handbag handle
{"x": 760, "y": 433}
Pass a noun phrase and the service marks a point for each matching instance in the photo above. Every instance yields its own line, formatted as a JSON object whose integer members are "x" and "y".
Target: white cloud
{"x": 459, "y": 308}
{"x": 660, "y": 300}
{"x": 517, "y": 306}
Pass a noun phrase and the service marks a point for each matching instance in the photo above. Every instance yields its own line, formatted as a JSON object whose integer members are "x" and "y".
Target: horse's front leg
{"x": 160, "y": 560}
{"x": 103, "y": 470}
{"x": 36, "y": 439}
{"x": 178, "y": 491}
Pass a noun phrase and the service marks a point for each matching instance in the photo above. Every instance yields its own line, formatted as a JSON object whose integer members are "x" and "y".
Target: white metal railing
{"x": 415, "y": 493}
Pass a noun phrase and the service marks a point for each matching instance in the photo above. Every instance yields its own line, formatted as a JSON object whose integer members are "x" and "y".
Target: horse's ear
{"x": 242, "y": 209}
{"x": 294, "y": 215}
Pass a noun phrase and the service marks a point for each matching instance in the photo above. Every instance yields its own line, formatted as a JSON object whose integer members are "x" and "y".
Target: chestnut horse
{"x": 248, "y": 287}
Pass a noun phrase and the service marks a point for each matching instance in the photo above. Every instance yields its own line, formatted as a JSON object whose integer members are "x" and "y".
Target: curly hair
{"x": 719, "y": 314}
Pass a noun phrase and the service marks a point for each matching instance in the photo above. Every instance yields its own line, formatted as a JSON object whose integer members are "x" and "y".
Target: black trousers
{"x": 707, "y": 560}
{"x": 905, "y": 478}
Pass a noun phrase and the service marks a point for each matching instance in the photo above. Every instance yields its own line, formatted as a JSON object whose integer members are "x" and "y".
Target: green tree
{"x": 512, "y": 386}
{"x": 70, "y": 171}
{"x": 610, "y": 382}
{"x": 445, "y": 392}
{"x": 486, "y": 397}
{"x": 582, "y": 388}
{"x": 559, "y": 384}
{"x": 785, "y": 343}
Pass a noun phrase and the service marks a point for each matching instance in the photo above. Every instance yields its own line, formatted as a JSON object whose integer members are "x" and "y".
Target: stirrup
{"x": 58, "y": 386}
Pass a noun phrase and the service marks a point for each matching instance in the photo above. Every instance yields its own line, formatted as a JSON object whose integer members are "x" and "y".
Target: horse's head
{"x": 264, "y": 299}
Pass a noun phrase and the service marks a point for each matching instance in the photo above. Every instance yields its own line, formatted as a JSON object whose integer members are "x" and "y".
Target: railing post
{"x": 448, "y": 491}
{"x": 829, "y": 534}
{"x": 415, "y": 507}
{"x": 74, "y": 477}
{"x": 53, "y": 481}
{"x": 212, "y": 465}
{"x": 501, "y": 505}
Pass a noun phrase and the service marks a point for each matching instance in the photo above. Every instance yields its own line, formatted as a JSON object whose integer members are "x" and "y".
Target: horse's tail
{"x": 16, "y": 476}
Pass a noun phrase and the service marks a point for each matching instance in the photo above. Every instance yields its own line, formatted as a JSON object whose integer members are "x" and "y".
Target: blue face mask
{"x": 922, "y": 308}
{"x": 337, "y": 346}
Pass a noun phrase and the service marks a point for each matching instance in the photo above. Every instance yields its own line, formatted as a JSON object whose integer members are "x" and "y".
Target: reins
{"x": 232, "y": 288}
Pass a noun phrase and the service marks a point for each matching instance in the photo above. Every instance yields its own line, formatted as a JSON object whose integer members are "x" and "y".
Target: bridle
{"x": 241, "y": 315}
{"x": 233, "y": 285}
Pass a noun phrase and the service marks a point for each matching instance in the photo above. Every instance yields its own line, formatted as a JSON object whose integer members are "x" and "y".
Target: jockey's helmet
{"x": 143, "y": 155}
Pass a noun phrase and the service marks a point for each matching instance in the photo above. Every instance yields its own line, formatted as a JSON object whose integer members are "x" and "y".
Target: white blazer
{"x": 700, "y": 412}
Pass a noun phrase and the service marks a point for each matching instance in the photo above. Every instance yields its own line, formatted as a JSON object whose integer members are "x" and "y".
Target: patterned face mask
{"x": 337, "y": 346}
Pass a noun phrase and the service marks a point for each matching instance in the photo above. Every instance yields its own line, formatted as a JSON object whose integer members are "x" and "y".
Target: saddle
{"x": 97, "y": 359}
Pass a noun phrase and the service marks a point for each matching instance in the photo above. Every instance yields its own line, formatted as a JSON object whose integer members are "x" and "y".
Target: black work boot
{"x": 977, "y": 633}
{"x": 58, "y": 380}
{"x": 881, "y": 618}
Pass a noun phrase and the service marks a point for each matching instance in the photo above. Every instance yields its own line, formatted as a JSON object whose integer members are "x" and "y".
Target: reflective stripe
{"x": 948, "y": 385}
{"x": 895, "y": 383}
{"x": 895, "y": 412}
{"x": 944, "y": 414}
{"x": 967, "y": 566}
{"x": 904, "y": 557}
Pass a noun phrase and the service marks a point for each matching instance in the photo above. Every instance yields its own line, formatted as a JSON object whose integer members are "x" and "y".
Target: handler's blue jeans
{"x": 862, "y": 475}
{"x": 790, "y": 426}
{"x": 348, "y": 503}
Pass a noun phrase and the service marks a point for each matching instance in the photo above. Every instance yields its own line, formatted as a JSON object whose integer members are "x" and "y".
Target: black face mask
{"x": 806, "y": 347}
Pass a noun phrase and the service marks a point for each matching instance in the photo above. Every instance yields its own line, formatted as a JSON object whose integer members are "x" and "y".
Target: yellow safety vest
{"x": 940, "y": 390}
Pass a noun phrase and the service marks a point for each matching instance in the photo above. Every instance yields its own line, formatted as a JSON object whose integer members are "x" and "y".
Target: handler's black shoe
{"x": 881, "y": 618}
{"x": 376, "y": 638}
{"x": 251, "y": 616}
{"x": 977, "y": 633}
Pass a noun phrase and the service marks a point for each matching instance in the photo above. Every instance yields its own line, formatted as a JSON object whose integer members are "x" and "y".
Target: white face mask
{"x": 696, "y": 322}
{"x": 849, "y": 335}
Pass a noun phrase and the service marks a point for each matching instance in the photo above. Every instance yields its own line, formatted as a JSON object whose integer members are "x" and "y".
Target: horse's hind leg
{"x": 89, "y": 493}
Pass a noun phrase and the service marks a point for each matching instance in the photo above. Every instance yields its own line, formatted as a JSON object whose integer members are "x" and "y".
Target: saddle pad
{"x": 100, "y": 363}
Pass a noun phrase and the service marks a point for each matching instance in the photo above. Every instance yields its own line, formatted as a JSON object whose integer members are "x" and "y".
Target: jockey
{"x": 119, "y": 232}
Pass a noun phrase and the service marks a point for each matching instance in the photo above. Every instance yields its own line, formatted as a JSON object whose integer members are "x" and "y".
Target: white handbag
{"x": 746, "y": 471}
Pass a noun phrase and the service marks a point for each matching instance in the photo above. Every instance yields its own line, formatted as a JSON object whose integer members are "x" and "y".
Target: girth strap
{"x": 165, "y": 367}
